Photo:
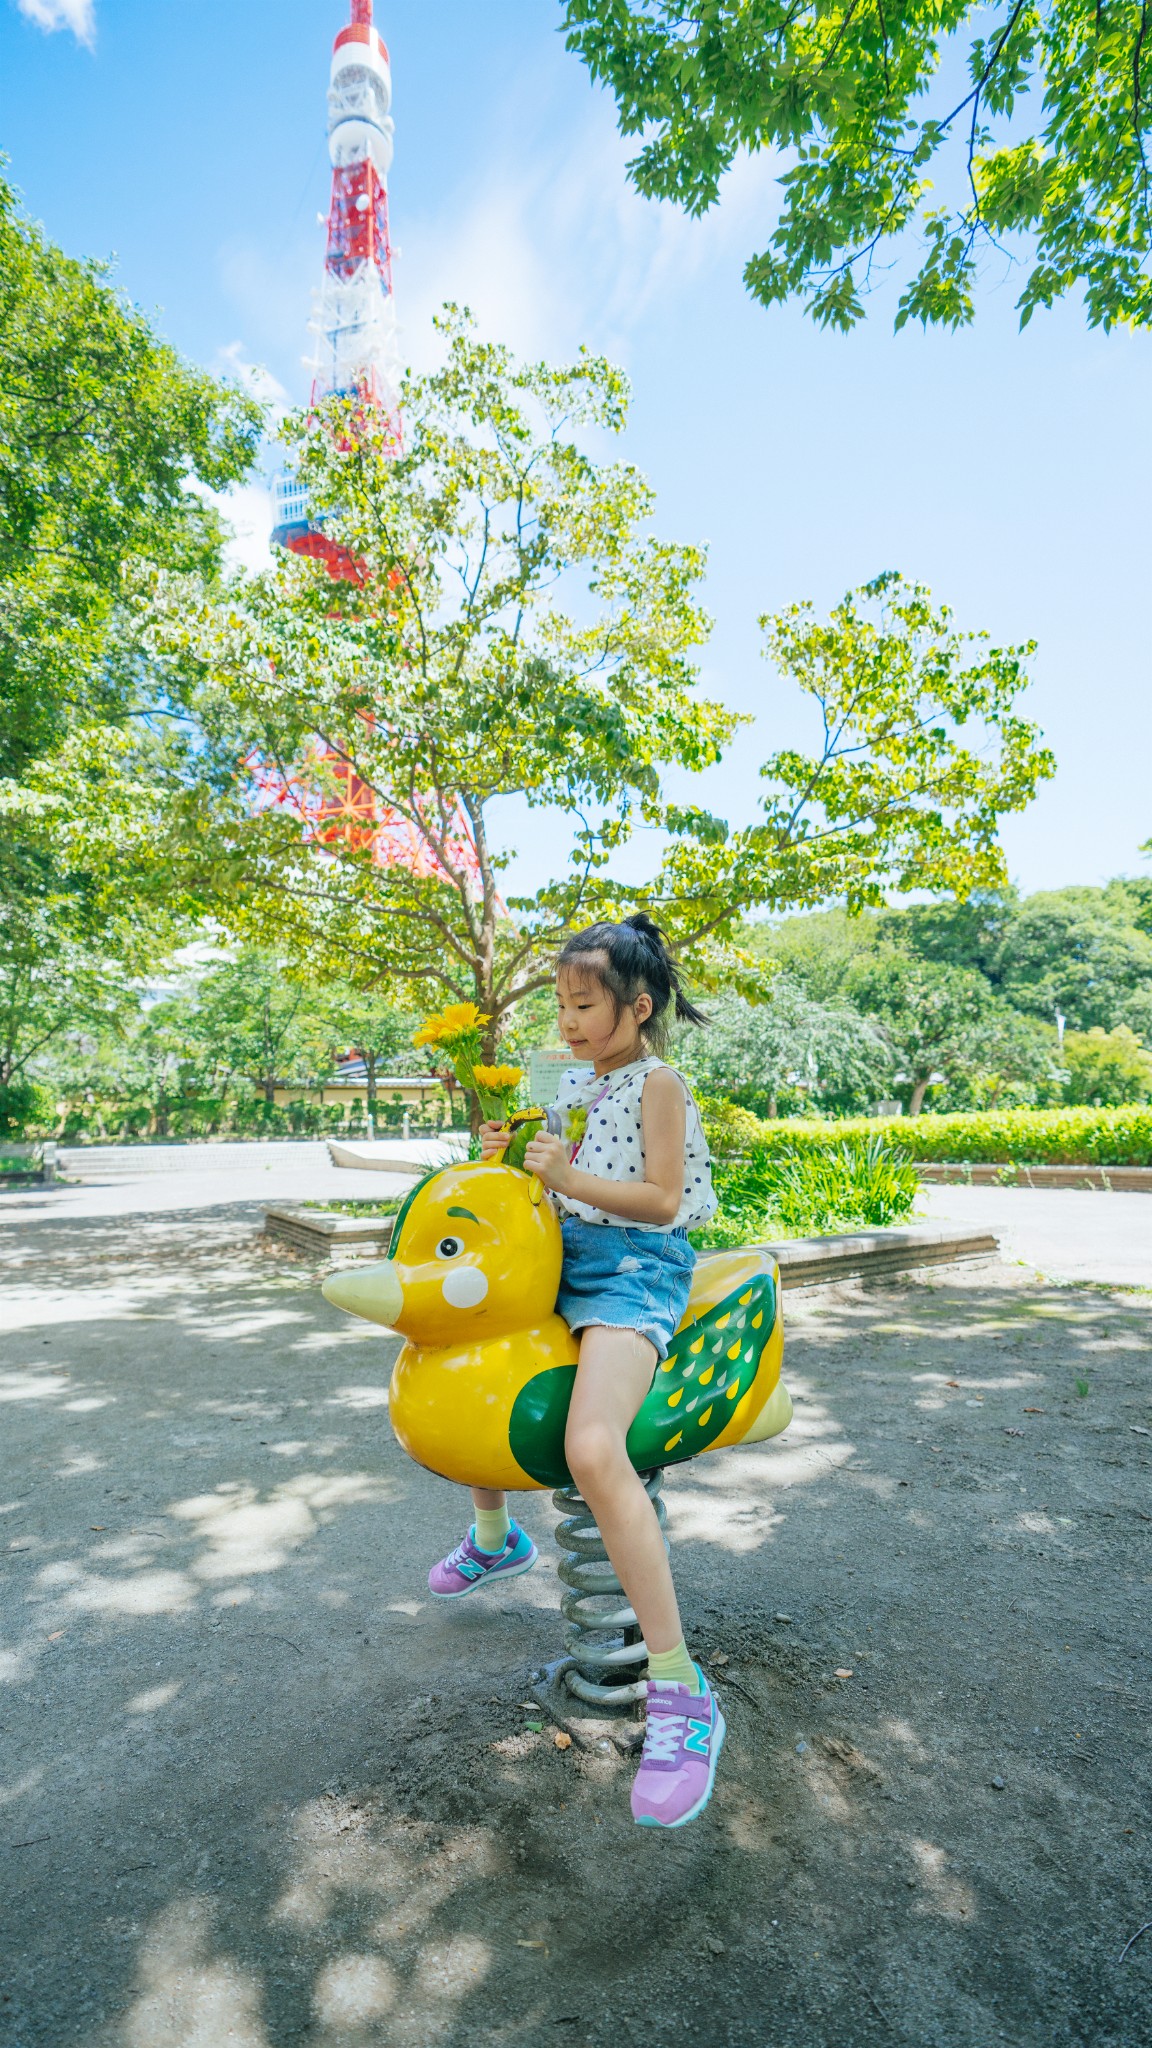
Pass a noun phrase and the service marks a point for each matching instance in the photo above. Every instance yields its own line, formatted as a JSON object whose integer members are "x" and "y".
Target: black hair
{"x": 632, "y": 959}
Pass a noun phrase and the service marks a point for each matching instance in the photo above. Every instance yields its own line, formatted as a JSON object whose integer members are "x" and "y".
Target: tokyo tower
{"x": 355, "y": 319}
{"x": 356, "y": 357}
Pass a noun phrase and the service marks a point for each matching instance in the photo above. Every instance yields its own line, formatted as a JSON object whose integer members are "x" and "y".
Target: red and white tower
{"x": 355, "y": 320}
{"x": 356, "y": 357}
{"x": 355, "y": 317}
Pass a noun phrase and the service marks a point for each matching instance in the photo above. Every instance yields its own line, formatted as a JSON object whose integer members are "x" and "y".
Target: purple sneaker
{"x": 684, "y": 1739}
{"x": 468, "y": 1566}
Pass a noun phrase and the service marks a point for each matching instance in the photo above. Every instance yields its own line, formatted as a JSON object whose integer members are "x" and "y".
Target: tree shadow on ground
{"x": 259, "y": 1791}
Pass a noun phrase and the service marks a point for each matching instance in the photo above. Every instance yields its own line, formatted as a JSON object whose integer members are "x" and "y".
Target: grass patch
{"x": 386, "y": 1206}
{"x": 861, "y": 1182}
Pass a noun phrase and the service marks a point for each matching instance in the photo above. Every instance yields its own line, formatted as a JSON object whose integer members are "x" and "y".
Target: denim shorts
{"x": 625, "y": 1279}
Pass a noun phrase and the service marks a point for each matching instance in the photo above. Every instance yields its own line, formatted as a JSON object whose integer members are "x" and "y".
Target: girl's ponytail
{"x": 632, "y": 958}
{"x": 652, "y": 936}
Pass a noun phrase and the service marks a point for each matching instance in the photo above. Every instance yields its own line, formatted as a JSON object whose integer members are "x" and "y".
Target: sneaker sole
{"x": 649, "y": 1820}
{"x": 508, "y": 1571}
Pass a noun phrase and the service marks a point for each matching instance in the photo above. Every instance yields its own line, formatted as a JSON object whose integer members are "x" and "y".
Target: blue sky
{"x": 1009, "y": 472}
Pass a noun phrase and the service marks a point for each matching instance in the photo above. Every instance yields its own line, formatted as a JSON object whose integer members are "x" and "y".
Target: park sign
{"x": 546, "y": 1066}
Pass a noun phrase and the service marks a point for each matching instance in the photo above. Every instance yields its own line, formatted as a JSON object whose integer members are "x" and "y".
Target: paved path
{"x": 1065, "y": 1233}
{"x": 153, "y": 1179}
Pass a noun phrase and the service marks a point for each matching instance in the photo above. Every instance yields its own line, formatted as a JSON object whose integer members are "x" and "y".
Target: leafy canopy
{"x": 103, "y": 432}
{"x": 969, "y": 129}
{"x": 520, "y": 634}
{"x": 921, "y": 753}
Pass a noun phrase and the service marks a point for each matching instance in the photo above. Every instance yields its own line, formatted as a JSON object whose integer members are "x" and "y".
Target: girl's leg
{"x": 614, "y": 1374}
{"x": 492, "y": 1518}
{"x": 497, "y": 1548}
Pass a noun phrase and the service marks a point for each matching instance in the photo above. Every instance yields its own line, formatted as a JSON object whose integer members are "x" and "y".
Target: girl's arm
{"x": 657, "y": 1197}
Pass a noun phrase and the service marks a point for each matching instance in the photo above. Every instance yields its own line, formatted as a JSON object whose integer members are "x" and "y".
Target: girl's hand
{"x": 547, "y": 1157}
{"x": 493, "y": 1140}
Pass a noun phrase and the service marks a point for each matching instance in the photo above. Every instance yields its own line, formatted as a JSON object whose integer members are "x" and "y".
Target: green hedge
{"x": 1019, "y": 1137}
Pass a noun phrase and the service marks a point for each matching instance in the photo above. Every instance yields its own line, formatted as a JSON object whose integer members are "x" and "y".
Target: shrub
{"x": 728, "y": 1127}
{"x": 1021, "y": 1137}
{"x": 26, "y": 1109}
{"x": 1106, "y": 1067}
{"x": 859, "y": 1181}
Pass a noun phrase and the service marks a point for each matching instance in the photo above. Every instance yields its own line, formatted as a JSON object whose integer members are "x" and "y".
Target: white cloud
{"x": 573, "y": 255}
{"x": 233, "y": 362}
{"x": 77, "y": 15}
{"x": 247, "y": 510}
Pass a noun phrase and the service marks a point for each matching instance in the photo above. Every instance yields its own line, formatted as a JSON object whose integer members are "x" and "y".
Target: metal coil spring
{"x": 605, "y": 1648}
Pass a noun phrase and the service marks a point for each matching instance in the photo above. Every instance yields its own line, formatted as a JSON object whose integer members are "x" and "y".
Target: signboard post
{"x": 546, "y": 1065}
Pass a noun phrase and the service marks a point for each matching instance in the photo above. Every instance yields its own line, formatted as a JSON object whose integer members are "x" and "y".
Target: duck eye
{"x": 449, "y": 1247}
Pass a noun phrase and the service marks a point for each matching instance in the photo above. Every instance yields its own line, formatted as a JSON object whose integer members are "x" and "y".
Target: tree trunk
{"x": 919, "y": 1091}
{"x": 773, "y": 1111}
{"x": 369, "y": 1059}
{"x": 269, "y": 1082}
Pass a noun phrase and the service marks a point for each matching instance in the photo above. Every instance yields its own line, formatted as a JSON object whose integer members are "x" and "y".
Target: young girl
{"x": 629, "y": 1189}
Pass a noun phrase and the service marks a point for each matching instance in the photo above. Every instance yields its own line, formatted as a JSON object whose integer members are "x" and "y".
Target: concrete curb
{"x": 325, "y": 1234}
{"x": 803, "y": 1261}
{"x": 852, "y": 1255}
{"x": 389, "y": 1155}
{"x": 1121, "y": 1180}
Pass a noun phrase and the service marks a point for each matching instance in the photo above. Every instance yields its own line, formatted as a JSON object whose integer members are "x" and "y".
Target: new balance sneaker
{"x": 684, "y": 1739}
{"x": 468, "y": 1566}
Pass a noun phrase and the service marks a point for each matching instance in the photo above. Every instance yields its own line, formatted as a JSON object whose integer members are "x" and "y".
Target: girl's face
{"x": 589, "y": 1025}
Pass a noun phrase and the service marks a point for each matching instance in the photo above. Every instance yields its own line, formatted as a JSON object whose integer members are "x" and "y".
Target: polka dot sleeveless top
{"x": 612, "y": 1145}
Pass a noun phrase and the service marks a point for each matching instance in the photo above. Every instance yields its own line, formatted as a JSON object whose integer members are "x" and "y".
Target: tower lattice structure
{"x": 356, "y": 356}
{"x": 354, "y": 323}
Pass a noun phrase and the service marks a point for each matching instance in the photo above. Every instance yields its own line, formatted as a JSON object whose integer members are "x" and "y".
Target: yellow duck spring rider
{"x": 480, "y": 1391}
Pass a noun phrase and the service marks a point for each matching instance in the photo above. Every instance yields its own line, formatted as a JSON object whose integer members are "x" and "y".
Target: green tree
{"x": 789, "y": 1054}
{"x": 105, "y": 434}
{"x": 817, "y": 950}
{"x": 931, "y": 1014}
{"x": 85, "y": 907}
{"x": 921, "y": 751}
{"x": 519, "y": 634}
{"x": 252, "y": 1019}
{"x": 349, "y": 1019}
{"x": 1067, "y": 951}
{"x": 972, "y": 131}
{"x": 1106, "y": 1067}
{"x": 50, "y": 985}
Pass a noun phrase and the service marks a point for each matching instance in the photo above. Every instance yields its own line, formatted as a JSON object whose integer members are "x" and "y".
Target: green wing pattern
{"x": 711, "y": 1365}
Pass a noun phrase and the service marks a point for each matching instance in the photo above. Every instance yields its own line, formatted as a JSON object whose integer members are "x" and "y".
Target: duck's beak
{"x": 373, "y": 1292}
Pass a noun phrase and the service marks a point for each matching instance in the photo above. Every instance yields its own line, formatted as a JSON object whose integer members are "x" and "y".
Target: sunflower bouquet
{"x": 456, "y": 1030}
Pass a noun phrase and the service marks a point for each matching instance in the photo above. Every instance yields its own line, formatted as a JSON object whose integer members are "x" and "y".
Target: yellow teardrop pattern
{"x": 673, "y": 1440}
{"x": 702, "y": 1419}
{"x": 706, "y": 1376}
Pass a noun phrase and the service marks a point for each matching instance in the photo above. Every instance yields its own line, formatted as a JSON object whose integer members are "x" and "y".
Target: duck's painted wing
{"x": 722, "y": 1367}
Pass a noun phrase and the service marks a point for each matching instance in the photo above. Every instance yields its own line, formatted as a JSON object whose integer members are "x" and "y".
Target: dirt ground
{"x": 255, "y": 1789}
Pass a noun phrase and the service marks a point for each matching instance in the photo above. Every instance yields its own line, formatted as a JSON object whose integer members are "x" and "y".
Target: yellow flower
{"x": 459, "y": 1017}
{"x": 456, "y": 1020}
{"x": 498, "y": 1078}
